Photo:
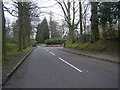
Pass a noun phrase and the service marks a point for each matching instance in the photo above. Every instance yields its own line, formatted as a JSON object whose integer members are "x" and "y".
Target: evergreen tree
{"x": 42, "y": 31}
{"x": 108, "y": 16}
{"x": 108, "y": 13}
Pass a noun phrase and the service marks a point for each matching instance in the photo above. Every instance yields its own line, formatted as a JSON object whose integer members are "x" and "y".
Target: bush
{"x": 99, "y": 46}
{"x": 54, "y": 41}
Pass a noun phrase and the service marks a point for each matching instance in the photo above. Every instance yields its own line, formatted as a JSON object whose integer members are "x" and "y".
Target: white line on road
{"x": 70, "y": 65}
{"x": 52, "y": 53}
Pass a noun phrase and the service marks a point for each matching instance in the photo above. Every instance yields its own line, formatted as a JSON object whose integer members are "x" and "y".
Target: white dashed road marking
{"x": 67, "y": 63}
{"x": 52, "y": 53}
{"x": 70, "y": 65}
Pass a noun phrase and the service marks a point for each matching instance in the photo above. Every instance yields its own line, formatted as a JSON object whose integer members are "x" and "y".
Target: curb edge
{"x": 16, "y": 67}
{"x": 91, "y": 56}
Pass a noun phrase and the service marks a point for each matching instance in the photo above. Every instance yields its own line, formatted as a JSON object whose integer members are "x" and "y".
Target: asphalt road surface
{"x": 48, "y": 67}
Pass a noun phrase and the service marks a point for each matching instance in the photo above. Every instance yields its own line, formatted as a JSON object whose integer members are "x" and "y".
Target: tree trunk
{"x": 94, "y": 22}
{"x": 85, "y": 24}
{"x": 80, "y": 17}
{"x": 20, "y": 26}
{"x": 27, "y": 24}
{"x": 71, "y": 34}
{"x": 71, "y": 30}
{"x": 119, "y": 29}
{"x": 3, "y": 33}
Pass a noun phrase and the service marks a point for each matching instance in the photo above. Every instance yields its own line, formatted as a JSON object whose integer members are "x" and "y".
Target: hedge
{"x": 54, "y": 41}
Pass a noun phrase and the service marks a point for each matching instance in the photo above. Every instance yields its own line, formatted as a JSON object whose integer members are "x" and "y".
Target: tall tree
{"x": 67, "y": 7}
{"x": 94, "y": 21}
{"x": 45, "y": 28}
{"x": 53, "y": 28}
{"x": 108, "y": 14}
{"x": 26, "y": 24}
{"x": 20, "y": 16}
{"x": 42, "y": 31}
{"x": 3, "y": 33}
{"x": 80, "y": 17}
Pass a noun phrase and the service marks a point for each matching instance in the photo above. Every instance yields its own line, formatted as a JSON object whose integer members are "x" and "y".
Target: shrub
{"x": 54, "y": 41}
{"x": 84, "y": 46}
{"x": 99, "y": 46}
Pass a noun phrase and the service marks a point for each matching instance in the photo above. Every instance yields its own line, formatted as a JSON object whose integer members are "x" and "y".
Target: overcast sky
{"x": 51, "y": 4}
{"x": 57, "y": 12}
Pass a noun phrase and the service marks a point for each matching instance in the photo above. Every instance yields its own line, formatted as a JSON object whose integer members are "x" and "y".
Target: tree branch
{"x": 10, "y": 12}
{"x": 62, "y": 8}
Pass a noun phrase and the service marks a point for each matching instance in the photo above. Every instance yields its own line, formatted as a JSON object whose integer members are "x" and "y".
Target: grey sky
{"x": 40, "y": 3}
{"x": 57, "y": 12}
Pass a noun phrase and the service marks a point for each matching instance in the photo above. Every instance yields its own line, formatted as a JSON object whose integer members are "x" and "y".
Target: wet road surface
{"x": 48, "y": 67}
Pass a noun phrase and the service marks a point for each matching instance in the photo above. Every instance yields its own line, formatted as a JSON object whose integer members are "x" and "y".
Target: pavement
{"x": 98, "y": 56}
{"x": 49, "y": 67}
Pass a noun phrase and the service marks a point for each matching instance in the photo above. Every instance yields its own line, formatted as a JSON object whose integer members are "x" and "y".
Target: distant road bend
{"x": 49, "y": 67}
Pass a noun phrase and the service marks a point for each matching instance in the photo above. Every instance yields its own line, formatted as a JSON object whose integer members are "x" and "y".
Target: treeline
{"x": 21, "y": 29}
{"x": 103, "y": 24}
{"x": 104, "y": 20}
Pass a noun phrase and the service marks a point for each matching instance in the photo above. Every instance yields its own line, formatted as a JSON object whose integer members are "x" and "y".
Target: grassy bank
{"x": 107, "y": 46}
{"x": 12, "y": 48}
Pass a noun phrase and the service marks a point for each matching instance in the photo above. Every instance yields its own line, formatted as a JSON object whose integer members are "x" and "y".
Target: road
{"x": 48, "y": 67}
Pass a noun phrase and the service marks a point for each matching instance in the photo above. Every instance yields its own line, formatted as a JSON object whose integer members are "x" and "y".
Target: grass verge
{"x": 13, "y": 57}
{"x": 106, "y": 46}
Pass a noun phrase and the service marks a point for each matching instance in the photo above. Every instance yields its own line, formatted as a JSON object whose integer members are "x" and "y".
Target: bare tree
{"x": 85, "y": 15}
{"x": 69, "y": 16}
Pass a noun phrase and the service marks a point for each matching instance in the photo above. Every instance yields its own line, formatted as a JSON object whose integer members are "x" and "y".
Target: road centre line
{"x": 52, "y": 53}
{"x": 70, "y": 64}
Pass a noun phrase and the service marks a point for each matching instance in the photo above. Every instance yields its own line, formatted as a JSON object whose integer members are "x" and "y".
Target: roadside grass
{"x": 12, "y": 48}
{"x": 29, "y": 48}
{"x": 107, "y": 46}
{"x": 12, "y": 58}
